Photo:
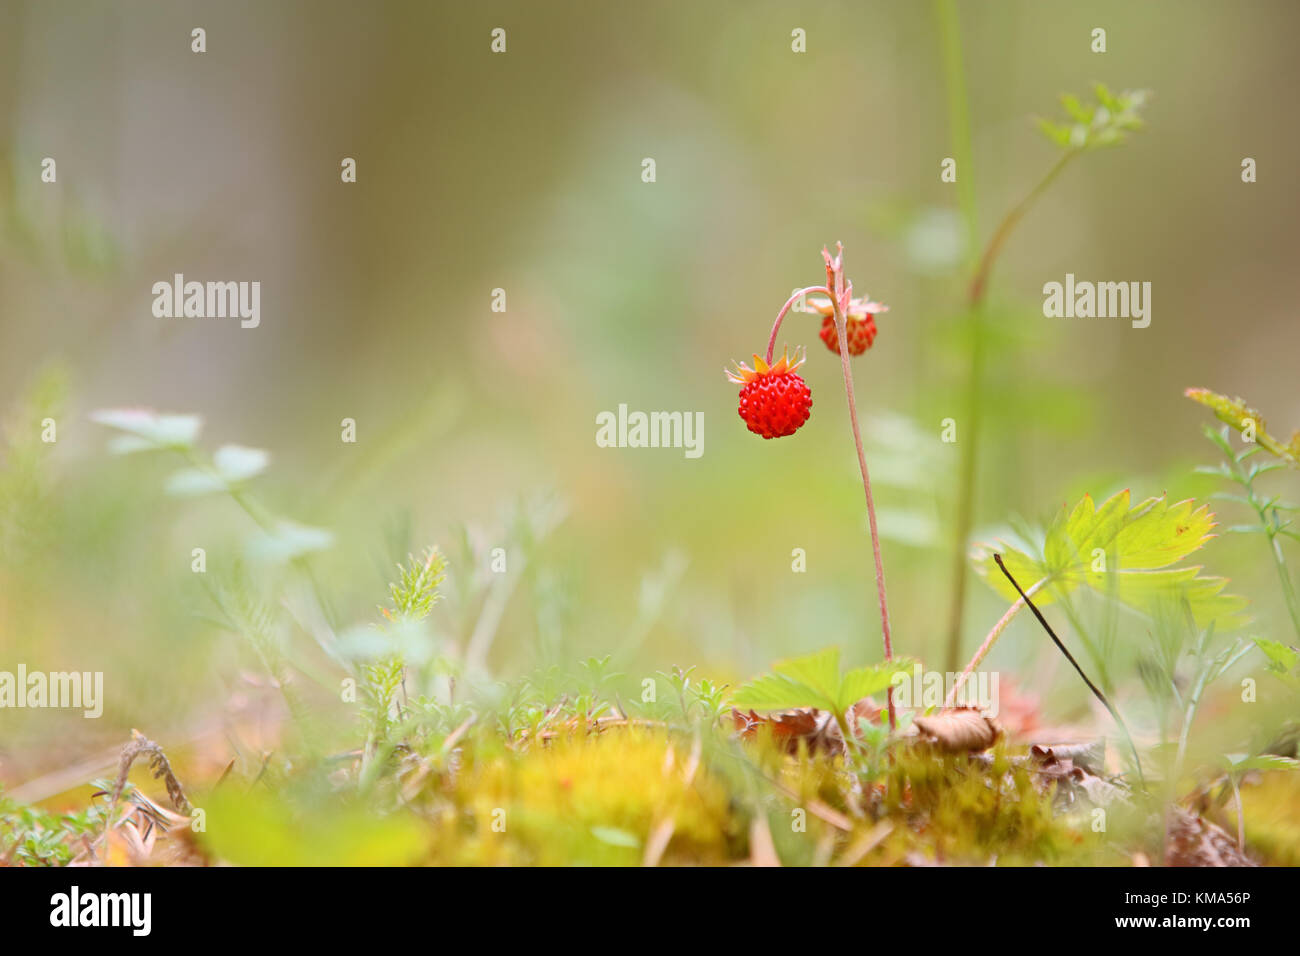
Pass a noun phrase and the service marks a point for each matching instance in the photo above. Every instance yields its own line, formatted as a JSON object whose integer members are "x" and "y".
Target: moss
{"x": 585, "y": 800}
{"x": 597, "y": 800}
{"x": 956, "y": 810}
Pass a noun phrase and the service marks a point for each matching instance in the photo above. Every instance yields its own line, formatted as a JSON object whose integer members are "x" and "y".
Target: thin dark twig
{"x": 1070, "y": 657}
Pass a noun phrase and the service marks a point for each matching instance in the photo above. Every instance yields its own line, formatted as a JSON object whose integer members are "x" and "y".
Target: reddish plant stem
{"x": 841, "y": 328}
{"x": 842, "y": 331}
{"x": 776, "y": 326}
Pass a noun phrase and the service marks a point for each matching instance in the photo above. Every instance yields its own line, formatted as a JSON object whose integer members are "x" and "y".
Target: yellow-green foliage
{"x": 942, "y": 810}
{"x": 584, "y": 800}
{"x": 259, "y": 828}
{"x": 956, "y": 811}
{"x": 1272, "y": 824}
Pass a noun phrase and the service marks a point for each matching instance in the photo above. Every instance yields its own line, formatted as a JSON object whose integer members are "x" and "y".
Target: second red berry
{"x": 862, "y": 332}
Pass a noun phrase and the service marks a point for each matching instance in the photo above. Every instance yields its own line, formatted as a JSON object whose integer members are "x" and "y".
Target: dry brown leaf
{"x": 816, "y": 728}
{"x": 960, "y": 730}
{"x": 1194, "y": 841}
{"x": 1072, "y": 775}
{"x": 866, "y": 709}
{"x": 1091, "y": 756}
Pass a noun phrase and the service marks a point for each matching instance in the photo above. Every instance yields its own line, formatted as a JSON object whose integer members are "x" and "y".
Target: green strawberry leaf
{"x": 815, "y": 681}
{"x": 1283, "y": 660}
{"x": 864, "y": 681}
{"x": 1120, "y": 549}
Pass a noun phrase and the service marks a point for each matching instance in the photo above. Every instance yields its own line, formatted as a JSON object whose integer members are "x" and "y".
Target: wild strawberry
{"x": 859, "y": 318}
{"x": 861, "y": 334}
{"x": 775, "y": 400}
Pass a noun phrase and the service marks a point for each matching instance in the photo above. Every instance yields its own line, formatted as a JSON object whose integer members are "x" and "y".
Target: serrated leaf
{"x": 865, "y": 681}
{"x": 820, "y": 670}
{"x": 774, "y": 692}
{"x": 814, "y": 681}
{"x": 1121, "y": 549}
{"x": 1160, "y": 533}
{"x": 1282, "y": 658}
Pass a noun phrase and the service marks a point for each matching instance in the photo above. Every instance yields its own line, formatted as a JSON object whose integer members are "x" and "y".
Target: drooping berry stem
{"x": 840, "y": 293}
{"x": 841, "y": 330}
{"x": 776, "y": 326}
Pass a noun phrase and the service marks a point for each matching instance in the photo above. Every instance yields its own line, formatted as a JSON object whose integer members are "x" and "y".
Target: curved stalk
{"x": 776, "y": 326}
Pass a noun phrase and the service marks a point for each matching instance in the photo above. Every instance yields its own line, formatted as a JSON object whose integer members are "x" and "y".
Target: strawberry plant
{"x": 340, "y": 659}
{"x": 774, "y": 401}
{"x": 816, "y": 681}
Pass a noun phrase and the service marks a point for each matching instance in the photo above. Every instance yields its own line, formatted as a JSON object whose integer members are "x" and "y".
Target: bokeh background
{"x": 523, "y": 171}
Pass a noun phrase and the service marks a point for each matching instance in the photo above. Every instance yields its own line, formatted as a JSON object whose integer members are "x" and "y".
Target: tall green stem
{"x": 1268, "y": 519}
{"x": 959, "y": 120}
{"x": 975, "y": 297}
{"x": 1288, "y": 589}
{"x": 959, "y": 130}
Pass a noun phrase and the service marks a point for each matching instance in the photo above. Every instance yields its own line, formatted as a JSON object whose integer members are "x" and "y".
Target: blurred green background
{"x": 522, "y": 171}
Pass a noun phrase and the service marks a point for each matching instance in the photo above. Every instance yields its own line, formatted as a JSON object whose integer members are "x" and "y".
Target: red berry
{"x": 775, "y": 400}
{"x": 862, "y": 332}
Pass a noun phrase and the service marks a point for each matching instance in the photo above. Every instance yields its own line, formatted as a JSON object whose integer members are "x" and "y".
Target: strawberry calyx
{"x": 742, "y": 374}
